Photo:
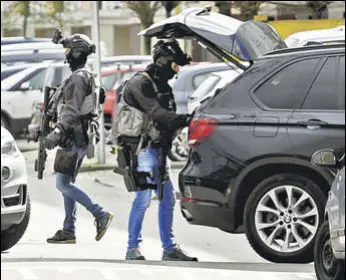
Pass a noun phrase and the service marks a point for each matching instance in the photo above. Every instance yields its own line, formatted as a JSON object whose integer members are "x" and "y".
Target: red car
{"x": 112, "y": 77}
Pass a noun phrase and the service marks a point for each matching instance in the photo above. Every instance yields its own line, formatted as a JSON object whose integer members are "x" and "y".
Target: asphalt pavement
{"x": 221, "y": 255}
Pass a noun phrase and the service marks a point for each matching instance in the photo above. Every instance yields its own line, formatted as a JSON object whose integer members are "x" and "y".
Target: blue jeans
{"x": 148, "y": 161}
{"x": 72, "y": 194}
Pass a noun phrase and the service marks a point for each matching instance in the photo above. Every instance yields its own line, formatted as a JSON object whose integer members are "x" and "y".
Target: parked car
{"x": 190, "y": 78}
{"x": 55, "y": 75}
{"x": 207, "y": 89}
{"x": 249, "y": 167}
{"x": 124, "y": 60}
{"x": 31, "y": 46}
{"x": 10, "y": 70}
{"x": 330, "y": 241}
{"x": 32, "y": 56}
{"x": 21, "y": 40}
{"x": 316, "y": 37}
{"x": 18, "y": 94}
{"x": 112, "y": 77}
{"x": 15, "y": 202}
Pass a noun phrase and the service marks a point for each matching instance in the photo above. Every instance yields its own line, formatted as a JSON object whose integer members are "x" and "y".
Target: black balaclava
{"x": 164, "y": 53}
{"x": 76, "y": 61}
{"x": 78, "y": 48}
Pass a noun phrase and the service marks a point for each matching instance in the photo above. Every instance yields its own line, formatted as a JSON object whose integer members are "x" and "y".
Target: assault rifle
{"x": 45, "y": 129}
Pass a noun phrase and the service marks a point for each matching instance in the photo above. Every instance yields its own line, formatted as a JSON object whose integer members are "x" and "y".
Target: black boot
{"x": 177, "y": 255}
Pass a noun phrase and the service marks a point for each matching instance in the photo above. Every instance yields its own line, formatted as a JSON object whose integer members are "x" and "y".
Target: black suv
{"x": 249, "y": 166}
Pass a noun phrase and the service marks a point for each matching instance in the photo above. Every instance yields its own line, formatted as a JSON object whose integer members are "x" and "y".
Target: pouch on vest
{"x": 131, "y": 122}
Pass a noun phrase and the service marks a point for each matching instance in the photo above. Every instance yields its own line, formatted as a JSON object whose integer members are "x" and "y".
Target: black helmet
{"x": 75, "y": 45}
{"x": 165, "y": 52}
{"x": 78, "y": 44}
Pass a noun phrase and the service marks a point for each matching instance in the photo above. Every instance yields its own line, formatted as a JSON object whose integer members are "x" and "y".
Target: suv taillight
{"x": 200, "y": 130}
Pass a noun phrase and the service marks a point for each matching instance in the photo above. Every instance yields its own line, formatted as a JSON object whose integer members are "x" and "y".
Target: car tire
{"x": 4, "y": 122}
{"x": 326, "y": 266}
{"x": 286, "y": 222}
{"x": 11, "y": 236}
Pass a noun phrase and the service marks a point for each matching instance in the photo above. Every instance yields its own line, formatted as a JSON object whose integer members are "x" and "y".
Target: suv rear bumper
{"x": 208, "y": 215}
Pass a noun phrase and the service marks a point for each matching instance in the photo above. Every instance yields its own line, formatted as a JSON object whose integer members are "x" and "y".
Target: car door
{"x": 29, "y": 91}
{"x": 320, "y": 121}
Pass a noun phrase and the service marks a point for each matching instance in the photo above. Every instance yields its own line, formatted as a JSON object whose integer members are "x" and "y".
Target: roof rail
{"x": 306, "y": 48}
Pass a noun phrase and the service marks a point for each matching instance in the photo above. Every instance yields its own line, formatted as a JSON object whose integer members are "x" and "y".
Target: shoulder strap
{"x": 146, "y": 75}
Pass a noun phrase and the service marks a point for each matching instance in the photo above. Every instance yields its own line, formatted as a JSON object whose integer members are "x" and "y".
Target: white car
{"x": 15, "y": 202}
{"x": 208, "y": 88}
{"x": 19, "y": 93}
{"x": 314, "y": 37}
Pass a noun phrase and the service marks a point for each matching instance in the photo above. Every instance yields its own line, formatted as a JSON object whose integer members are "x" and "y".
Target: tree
{"x": 55, "y": 12}
{"x": 22, "y": 9}
{"x": 319, "y": 8}
{"x": 225, "y": 7}
{"x": 146, "y": 11}
{"x": 169, "y": 7}
{"x": 248, "y": 9}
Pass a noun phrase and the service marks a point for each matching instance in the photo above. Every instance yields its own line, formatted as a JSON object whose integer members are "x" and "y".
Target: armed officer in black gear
{"x": 75, "y": 106}
{"x": 149, "y": 92}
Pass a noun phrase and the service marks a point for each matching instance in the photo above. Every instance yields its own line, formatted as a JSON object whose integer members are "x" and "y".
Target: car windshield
{"x": 8, "y": 83}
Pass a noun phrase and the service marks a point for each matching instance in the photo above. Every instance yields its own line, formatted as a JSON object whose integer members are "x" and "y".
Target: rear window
{"x": 199, "y": 79}
{"x": 287, "y": 88}
{"x": 324, "y": 94}
{"x": 205, "y": 87}
{"x": 108, "y": 81}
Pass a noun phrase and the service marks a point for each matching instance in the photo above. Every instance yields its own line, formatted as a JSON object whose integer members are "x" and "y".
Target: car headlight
{"x": 9, "y": 148}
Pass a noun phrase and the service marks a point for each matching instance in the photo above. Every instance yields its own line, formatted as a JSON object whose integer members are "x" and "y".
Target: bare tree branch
{"x": 146, "y": 11}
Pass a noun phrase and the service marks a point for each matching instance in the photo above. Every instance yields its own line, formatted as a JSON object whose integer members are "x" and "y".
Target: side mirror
{"x": 325, "y": 158}
{"x": 25, "y": 86}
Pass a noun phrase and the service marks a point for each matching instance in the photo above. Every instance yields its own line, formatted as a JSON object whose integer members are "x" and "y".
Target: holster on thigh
{"x": 127, "y": 167}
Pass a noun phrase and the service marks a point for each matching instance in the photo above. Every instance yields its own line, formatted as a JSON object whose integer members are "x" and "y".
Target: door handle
{"x": 312, "y": 123}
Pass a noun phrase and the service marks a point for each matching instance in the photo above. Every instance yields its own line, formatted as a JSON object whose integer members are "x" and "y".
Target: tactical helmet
{"x": 78, "y": 44}
{"x": 166, "y": 52}
{"x": 75, "y": 45}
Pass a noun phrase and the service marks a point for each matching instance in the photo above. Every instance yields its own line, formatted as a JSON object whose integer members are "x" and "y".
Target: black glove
{"x": 180, "y": 122}
{"x": 52, "y": 140}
